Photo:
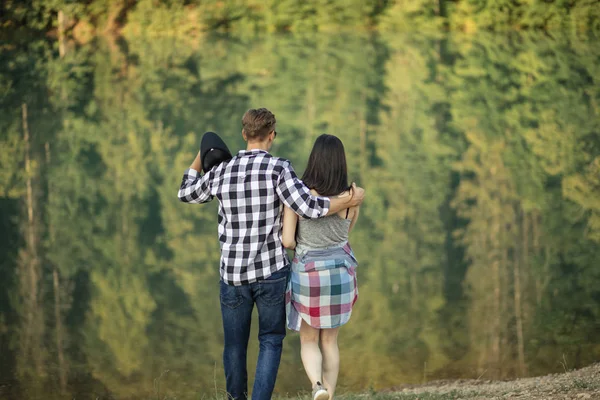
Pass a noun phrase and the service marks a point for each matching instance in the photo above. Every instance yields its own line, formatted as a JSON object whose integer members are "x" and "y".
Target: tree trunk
{"x": 62, "y": 372}
{"x": 311, "y": 111}
{"x": 441, "y": 9}
{"x": 62, "y": 27}
{"x": 117, "y": 14}
{"x": 505, "y": 285}
{"x": 497, "y": 316}
{"x": 517, "y": 300}
{"x": 30, "y": 231}
{"x": 363, "y": 140}
{"x": 59, "y": 333}
{"x": 29, "y": 273}
{"x": 31, "y": 243}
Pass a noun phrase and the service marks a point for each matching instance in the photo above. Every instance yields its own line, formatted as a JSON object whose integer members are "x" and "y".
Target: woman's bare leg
{"x": 331, "y": 359}
{"x": 310, "y": 353}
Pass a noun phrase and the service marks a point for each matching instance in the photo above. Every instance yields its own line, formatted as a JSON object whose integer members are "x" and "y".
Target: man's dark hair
{"x": 258, "y": 123}
{"x": 327, "y": 172}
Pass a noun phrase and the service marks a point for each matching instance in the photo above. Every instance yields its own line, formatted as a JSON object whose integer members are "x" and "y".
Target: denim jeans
{"x": 237, "y": 303}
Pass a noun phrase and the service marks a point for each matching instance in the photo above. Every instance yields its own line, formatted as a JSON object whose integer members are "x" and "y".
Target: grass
{"x": 582, "y": 384}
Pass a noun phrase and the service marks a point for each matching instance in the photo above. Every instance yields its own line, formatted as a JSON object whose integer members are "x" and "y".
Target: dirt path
{"x": 581, "y": 384}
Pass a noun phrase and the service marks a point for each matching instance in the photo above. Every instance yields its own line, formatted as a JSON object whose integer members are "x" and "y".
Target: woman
{"x": 322, "y": 288}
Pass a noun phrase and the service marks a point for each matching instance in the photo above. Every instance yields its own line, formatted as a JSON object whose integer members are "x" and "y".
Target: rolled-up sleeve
{"x": 195, "y": 189}
{"x": 294, "y": 194}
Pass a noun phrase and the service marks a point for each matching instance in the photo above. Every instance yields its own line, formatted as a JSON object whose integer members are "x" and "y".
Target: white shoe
{"x": 319, "y": 392}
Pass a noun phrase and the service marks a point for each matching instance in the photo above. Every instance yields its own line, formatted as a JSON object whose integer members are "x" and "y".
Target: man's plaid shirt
{"x": 252, "y": 188}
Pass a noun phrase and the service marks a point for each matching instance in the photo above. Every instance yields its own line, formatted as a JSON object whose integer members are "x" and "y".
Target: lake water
{"x": 479, "y": 240}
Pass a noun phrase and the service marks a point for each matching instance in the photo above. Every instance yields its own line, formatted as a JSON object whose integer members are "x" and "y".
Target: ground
{"x": 581, "y": 384}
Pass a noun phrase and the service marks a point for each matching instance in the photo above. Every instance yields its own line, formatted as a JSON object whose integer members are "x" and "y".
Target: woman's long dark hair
{"x": 327, "y": 172}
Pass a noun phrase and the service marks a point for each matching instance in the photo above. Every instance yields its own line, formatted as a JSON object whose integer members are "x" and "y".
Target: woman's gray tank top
{"x": 321, "y": 233}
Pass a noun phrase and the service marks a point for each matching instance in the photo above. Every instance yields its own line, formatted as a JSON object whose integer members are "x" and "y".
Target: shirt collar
{"x": 254, "y": 151}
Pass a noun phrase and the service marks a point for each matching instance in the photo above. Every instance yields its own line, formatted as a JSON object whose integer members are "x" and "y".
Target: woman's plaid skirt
{"x": 322, "y": 288}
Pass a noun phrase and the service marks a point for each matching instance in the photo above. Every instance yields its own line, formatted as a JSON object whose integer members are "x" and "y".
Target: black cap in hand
{"x": 213, "y": 151}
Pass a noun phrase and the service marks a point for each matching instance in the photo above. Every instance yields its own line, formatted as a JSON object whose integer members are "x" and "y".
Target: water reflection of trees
{"x": 478, "y": 243}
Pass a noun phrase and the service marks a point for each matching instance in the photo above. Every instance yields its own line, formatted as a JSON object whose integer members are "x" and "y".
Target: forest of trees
{"x": 479, "y": 243}
{"x": 190, "y": 17}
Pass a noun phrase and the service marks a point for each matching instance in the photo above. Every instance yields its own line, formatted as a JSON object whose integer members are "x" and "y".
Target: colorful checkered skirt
{"x": 322, "y": 288}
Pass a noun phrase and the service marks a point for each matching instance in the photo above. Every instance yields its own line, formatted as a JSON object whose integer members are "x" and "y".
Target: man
{"x": 251, "y": 189}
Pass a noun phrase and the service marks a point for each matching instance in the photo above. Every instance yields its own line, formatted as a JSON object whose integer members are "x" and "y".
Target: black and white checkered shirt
{"x": 252, "y": 188}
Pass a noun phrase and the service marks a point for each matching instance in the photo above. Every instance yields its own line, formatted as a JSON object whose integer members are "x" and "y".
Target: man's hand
{"x": 358, "y": 195}
{"x": 337, "y": 204}
{"x": 197, "y": 164}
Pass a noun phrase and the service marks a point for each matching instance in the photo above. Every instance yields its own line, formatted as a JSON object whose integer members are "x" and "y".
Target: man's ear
{"x": 244, "y": 136}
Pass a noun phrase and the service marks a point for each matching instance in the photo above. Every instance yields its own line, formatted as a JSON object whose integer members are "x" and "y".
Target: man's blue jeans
{"x": 237, "y": 303}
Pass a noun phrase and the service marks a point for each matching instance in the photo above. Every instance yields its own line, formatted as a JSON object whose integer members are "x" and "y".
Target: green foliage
{"x": 189, "y": 18}
{"x": 481, "y": 158}
{"x": 530, "y": 14}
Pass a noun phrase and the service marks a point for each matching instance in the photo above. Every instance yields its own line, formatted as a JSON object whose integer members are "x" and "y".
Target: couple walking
{"x": 264, "y": 206}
